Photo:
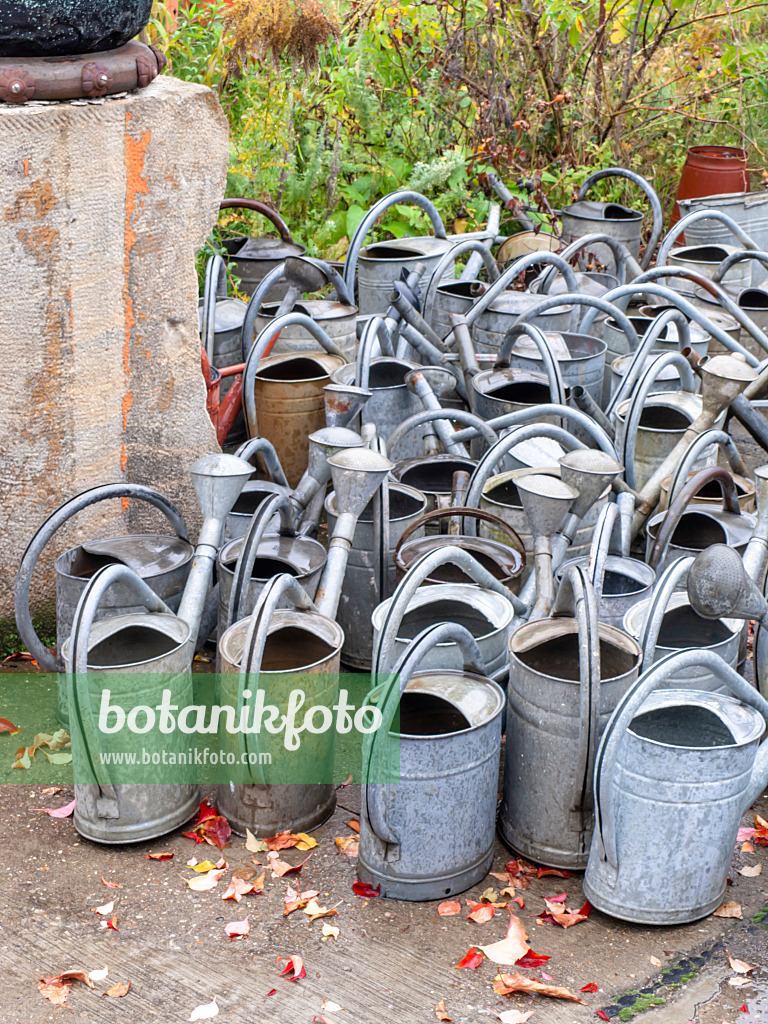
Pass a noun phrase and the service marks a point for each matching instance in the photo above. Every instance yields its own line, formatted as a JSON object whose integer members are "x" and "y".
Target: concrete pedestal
{"x": 102, "y": 209}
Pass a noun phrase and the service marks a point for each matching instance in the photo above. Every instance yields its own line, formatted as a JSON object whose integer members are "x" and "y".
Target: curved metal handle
{"x": 607, "y": 755}
{"x": 658, "y": 213}
{"x": 510, "y": 275}
{"x": 261, "y": 343}
{"x": 266, "y": 211}
{"x": 636, "y": 407}
{"x": 714, "y": 474}
{"x": 551, "y": 365}
{"x": 720, "y": 295}
{"x": 429, "y": 415}
{"x": 691, "y": 218}
{"x": 384, "y": 646}
{"x": 80, "y": 707}
{"x": 264, "y": 447}
{"x": 365, "y": 225}
{"x": 600, "y": 547}
{"x": 738, "y": 257}
{"x": 576, "y": 598}
{"x": 532, "y": 415}
{"x": 663, "y": 589}
{"x": 597, "y": 303}
{"x": 653, "y": 332}
{"x": 621, "y": 255}
{"x": 255, "y": 302}
{"x": 694, "y": 450}
{"x": 277, "y": 504}
{"x": 45, "y": 532}
{"x": 389, "y": 694}
{"x": 376, "y": 329}
{"x": 458, "y": 512}
{"x": 215, "y": 287}
{"x": 459, "y": 249}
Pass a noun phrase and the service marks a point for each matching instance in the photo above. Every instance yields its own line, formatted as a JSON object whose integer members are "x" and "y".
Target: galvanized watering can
{"x": 665, "y": 759}
{"x": 705, "y": 259}
{"x": 586, "y": 216}
{"x": 221, "y": 321}
{"x": 152, "y": 641}
{"x": 710, "y": 494}
{"x": 277, "y": 650}
{"x": 251, "y": 259}
{"x": 747, "y": 209}
{"x": 162, "y": 562}
{"x": 445, "y": 754}
{"x": 256, "y": 490}
{"x": 566, "y": 674}
{"x": 666, "y": 622}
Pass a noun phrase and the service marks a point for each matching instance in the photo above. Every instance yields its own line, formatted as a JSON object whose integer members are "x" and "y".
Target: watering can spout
{"x": 218, "y": 480}
{"x": 719, "y": 586}
{"x": 343, "y": 402}
{"x": 756, "y": 554}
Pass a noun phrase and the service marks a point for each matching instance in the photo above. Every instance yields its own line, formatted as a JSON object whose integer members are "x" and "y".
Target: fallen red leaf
{"x": 354, "y": 824}
{"x": 56, "y": 989}
{"x": 112, "y": 923}
{"x": 532, "y": 960}
{"x": 602, "y": 1015}
{"x": 205, "y": 811}
{"x": 282, "y": 841}
{"x": 295, "y": 966}
{"x": 281, "y": 867}
{"x": 216, "y": 831}
{"x": 111, "y": 885}
{"x": 363, "y": 889}
{"x": 271, "y": 992}
{"x": 57, "y": 812}
{"x": 586, "y": 910}
{"x": 543, "y": 872}
{"x": 591, "y": 987}
{"x": 744, "y": 1008}
{"x": 512, "y": 947}
{"x": 449, "y": 908}
{"x": 471, "y": 959}
{"x": 6, "y": 726}
{"x": 193, "y": 835}
{"x": 480, "y": 912}
{"x": 159, "y": 856}
{"x": 560, "y": 898}
{"x": 507, "y": 984}
{"x": 238, "y": 929}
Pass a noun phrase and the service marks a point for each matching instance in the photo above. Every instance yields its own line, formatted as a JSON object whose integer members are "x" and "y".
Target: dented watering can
{"x": 566, "y": 674}
{"x": 447, "y": 717}
{"x": 251, "y": 259}
{"x": 675, "y": 751}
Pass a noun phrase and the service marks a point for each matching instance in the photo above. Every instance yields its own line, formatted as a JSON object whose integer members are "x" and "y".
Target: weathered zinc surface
{"x": 102, "y": 208}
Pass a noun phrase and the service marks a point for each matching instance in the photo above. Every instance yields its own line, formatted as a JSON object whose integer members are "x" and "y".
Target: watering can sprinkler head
{"x": 218, "y": 480}
{"x": 343, "y": 402}
{"x": 546, "y": 502}
{"x": 357, "y": 475}
{"x": 719, "y": 586}
{"x": 589, "y": 472}
{"x": 303, "y": 275}
{"x": 322, "y": 444}
{"x": 723, "y": 378}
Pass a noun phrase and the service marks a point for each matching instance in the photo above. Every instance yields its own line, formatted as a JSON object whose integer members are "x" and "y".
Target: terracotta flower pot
{"x": 711, "y": 171}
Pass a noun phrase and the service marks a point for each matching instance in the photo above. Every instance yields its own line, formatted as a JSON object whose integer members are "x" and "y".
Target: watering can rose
{"x": 251, "y": 719}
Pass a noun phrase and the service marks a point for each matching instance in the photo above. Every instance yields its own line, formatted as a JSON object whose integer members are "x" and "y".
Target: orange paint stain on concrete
{"x": 26, "y": 166}
{"x": 134, "y": 152}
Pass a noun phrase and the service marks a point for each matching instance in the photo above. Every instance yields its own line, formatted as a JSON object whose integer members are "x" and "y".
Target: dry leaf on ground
{"x": 118, "y": 990}
{"x": 507, "y": 984}
{"x": 440, "y": 1011}
{"x": 729, "y": 909}
{"x": 512, "y": 947}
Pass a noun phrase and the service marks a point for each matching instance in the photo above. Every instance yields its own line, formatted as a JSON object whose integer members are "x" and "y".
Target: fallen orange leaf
{"x": 440, "y": 1011}
{"x": 449, "y": 908}
{"x": 118, "y": 990}
{"x": 507, "y": 984}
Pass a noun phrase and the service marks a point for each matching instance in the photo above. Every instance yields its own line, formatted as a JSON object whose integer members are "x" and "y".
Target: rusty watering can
{"x": 619, "y": 581}
{"x": 444, "y": 718}
{"x": 133, "y": 646}
{"x": 221, "y": 321}
{"x": 283, "y": 395}
{"x": 666, "y": 623}
{"x": 585, "y": 216}
{"x": 487, "y": 613}
{"x": 272, "y": 649}
{"x": 686, "y": 528}
{"x": 251, "y": 259}
{"x": 567, "y": 673}
{"x": 163, "y": 563}
{"x": 676, "y": 751}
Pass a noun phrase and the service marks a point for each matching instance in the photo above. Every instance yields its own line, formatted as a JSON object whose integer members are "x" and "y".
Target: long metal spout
{"x": 357, "y": 475}
{"x": 546, "y": 501}
{"x": 218, "y": 481}
{"x": 756, "y": 555}
{"x": 322, "y": 444}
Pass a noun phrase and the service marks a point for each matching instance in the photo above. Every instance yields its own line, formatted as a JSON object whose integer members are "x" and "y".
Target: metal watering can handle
{"x": 459, "y": 249}
{"x": 601, "y": 546}
{"x": 383, "y": 648}
{"x": 257, "y": 527}
{"x": 628, "y": 707}
{"x": 388, "y": 696}
{"x": 576, "y": 598}
{"x": 597, "y": 303}
{"x": 653, "y": 199}
{"x": 645, "y": 286}
{"x": 459, "y": 512}
{"x": 557, "y": 391}
{"x": 376, "y": 329}
{"x": 264, "y": 210}
{"x": 531, "y": 416}
{"x": 675, "y": 511}
{"x": 654, "y": 331}
{"x": 621, "y": 255}
{"x": 663, "y": 590}
{"x": 637, "y": 405}
{"x": 257, "y": 350}
{"x": 738, "y": 257}
{"x": 365, "y": 225}
{"x": 275, "y": 275}
{"x": 720, "y": 295}
{"x": 80, "y": 708}
{"x": 264, "y": 447}
{"x": 256, "y": 638}
{"x": 44, "y": 534}
{"x": 694, "y": 450}
{"x": 428, "y": 415}
{"x": 674, "y": 233}
{"x": 215, "y": 287}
